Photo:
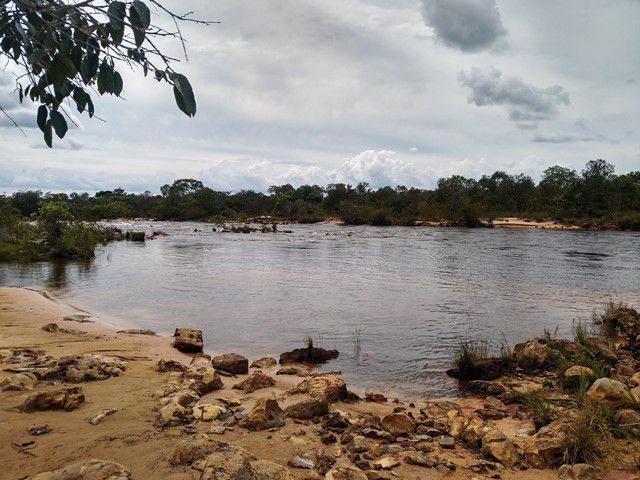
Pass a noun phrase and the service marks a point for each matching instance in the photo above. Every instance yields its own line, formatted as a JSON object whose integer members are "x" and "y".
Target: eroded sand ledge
{"x": 131, "y": 436}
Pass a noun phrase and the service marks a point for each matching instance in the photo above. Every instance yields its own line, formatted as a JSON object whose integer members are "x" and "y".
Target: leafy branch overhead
{"x": 66, "y": 53}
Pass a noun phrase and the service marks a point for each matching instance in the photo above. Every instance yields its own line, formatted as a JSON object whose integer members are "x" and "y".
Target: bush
{"x": 467, "y": 357}
{"x": 630, "y": 222}
{"x": 589, "y": 435}
{"x": 381, "y": 218}
{"x": 135, "y": 236}
{"x": 539, "y": 408}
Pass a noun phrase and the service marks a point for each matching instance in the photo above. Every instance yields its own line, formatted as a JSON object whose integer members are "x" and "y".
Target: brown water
{"x": 395, "y": 301}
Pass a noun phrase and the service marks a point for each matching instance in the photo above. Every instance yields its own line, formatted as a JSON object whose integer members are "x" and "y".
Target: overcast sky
{"x": 383, "y": 91}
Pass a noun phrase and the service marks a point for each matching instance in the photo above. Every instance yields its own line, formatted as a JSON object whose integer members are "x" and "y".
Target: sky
{"x": 388, "y": 92}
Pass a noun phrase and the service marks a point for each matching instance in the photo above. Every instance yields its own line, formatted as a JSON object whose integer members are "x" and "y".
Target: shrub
{"x": 135, "y": 236}
{"x": 580, "y": 333}
{"x": 467, "y": 356}
{"x": 381, "y": 218}
{"x": 589, "y": 435}
{"x": 539, "y": 408}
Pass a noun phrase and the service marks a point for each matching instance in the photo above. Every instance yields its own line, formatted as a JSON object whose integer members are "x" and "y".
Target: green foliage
{"x": 580, "y": 332}
{"x": 66, "y": 51}
{"x": 467, "y": 356}
{"x": 588, "y": 436}
{"x": 538, "y": 406}
{"x": 135, "y": 236}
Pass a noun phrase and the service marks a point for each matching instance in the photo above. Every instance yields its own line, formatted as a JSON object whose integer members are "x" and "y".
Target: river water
{"x": 396, "y": 302}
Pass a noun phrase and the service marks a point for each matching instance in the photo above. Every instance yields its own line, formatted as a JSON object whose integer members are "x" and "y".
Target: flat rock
{"x": 201, "y": 376}
{"x": 327, "y": 387}
{"x": 87, "y": 470}
{"x": 255, "y": 381}
{"x": 231, "y": 363}
{"x": 208, "y": 412}
{"x": 312, "y": 355}
{"x": 419, "y": 459}
{"x": 610, "y": 393}
{"x": 579, "y": 471}
{"x": 39, "y": 429}
{"x": 264, "y": 362}
{"x": 300, "y": 462}
{"x": 58, "y": 399}
{"x": 78, "y": 318}
{"x": 345, "y": 473}
{"x": 446, "y": 441}
{"x": 188, "y": 340}
{"x": 398, "y": 424}
{"x": 307, "y": 408}
{"x": 386, "y": 463}
{"x": 137, "y": 331}
{"x": 19, "y": 382}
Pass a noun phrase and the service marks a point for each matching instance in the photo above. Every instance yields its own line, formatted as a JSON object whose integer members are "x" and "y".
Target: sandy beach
{"x": 131, "y": 436}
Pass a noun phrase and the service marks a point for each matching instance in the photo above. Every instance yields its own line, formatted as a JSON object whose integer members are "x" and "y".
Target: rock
{"x": 264, "y": 415}
{"x": 60, "y": 399}
{"x": 483, "y": 387}
{"x": 87, "y": 470}
{"x": 137, "y": 331}
{"x": 174, "y": 414}
{"x": 231, "y": 363}
{"x": 635, "y": 378}
{"x": 345, "y": 473}
{"x": 543, "y": 449}
{"x": 496, "y": 445}
{"x": 490, "y": 413}
{"x": 386, "y": 463}
{"x": 398, "y": 424}
{"x": 360, "y": 444}
{"x": 307, "y": 408}
{"x": 19, "y": 382}
{"x": 100, "y": 416}
{"x": 217, "y": 430}
{"x": 573, "y": 376}
{"x": 264, "y": 362}
{"x": 603, "y": 349}
{"x": 208, "y": 412}
{"x": 375, "y": 397}
{"x": 619, "y": 475}
{"x": 78, "y": 318}
{"x": 483, "y": 369}
{"x": 254, "y": 382}
{"x": 164, "y": 366}
{"x": 495, "y": 404}
{"x": 51, "y": 328}
{"x": 299, "y": 462}
{"x": 531, "y": 354}
{"x": 628, "y": 417}
{"x": 579, "y": 471}
{"x": 313, "y": 355}
{"x": 39, "y": 429}
{"x": 446, "y": 441}
{"x": 419, "y": 459}
{"x": 201, "y": 375}
{"x": 188, "y": 340}
{"x": 327, "y": 387}
{"x": 88, "y": 367}
{"x": 439, "y": 409}
{"x": 610, "y": 393}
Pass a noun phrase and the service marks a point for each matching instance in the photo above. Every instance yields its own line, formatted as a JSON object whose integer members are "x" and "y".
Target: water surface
{"x": 395, "y": 301}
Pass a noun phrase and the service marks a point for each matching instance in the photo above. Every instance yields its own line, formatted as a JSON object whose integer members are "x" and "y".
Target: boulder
{"x": 231, "y": 363}
{"x": 345, "y": 473}
{"x": 398, "y": 424}
{"x": 543, "y": 449}
{"x": 496, "y": 445}
{"x": 573, "y": 376}
{"x": 208, "y": 412}
{"x": 201, "y": 375}
{"x": 313, "y": 355}
{"x": 188, "y": 340}
{"x": 264, "y": 415}
{"x": 254, "y": 382}
{"x": 87, "y": 470}
{"x": 610, "y": 393}
{"x": 264, "y": 362}
{"x": 578, "y": 471}
{"x": 327, "y": 387}
{"x": 628, "y": 417}
{"x": 531, "y": 354}
{"x": 307, "y": 408}
{"x": 19, "y": 382}
{"x": 59, "y": 399}
{"x": 360, "y": 444}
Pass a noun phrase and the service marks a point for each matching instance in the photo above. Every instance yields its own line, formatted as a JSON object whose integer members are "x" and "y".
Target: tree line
{"x": 596, "y": 196}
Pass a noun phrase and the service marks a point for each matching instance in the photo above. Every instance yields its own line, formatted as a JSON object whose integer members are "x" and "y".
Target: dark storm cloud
{"x": 467, "y": 25}
{"x": 526, "y": 104}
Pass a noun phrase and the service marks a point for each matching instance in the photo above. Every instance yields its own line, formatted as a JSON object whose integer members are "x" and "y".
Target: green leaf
{"x": 59, "y": 123}
{"x": 42, "y": 117}
{"x": 143, "y": 13}
{"x": 48, "y": 134}
{"x": 80, "y": 97}
{"x": 183, "y": 93}
{"x": 105, "y": 79}
{"x": 90, "y": 107}
{"x": 89, "y": 67}
{"x": 116, "y": 13}
{"x": 117, "y": 84}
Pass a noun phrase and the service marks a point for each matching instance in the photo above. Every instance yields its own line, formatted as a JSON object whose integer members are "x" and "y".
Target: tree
{"x": 63, "y": 52}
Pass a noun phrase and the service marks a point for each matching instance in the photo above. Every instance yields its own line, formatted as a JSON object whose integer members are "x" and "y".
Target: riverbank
{"x": 133, "y": 399}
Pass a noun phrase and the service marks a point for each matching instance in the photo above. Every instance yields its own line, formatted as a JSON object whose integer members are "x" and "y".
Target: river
{"x": 396, "y": 302}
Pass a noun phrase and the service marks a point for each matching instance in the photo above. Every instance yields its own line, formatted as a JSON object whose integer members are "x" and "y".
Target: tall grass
{"x": 467, "y": 356}
{"x": 538, "y": 406}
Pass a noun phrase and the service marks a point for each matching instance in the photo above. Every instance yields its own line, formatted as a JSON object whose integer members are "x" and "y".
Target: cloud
{"x": 467, "y": 25}
{"x": 526, "y": 104}
{"x": 378, "y": 169}
{"x": 558, "y": 138}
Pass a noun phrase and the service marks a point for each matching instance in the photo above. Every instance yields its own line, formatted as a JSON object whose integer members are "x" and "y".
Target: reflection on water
{"x": 395, "y": 301}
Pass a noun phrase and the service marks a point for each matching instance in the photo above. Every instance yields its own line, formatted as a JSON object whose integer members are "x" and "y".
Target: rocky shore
{"x": 81, "y": 400}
